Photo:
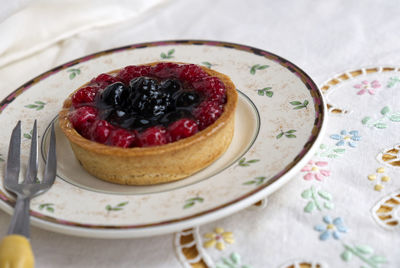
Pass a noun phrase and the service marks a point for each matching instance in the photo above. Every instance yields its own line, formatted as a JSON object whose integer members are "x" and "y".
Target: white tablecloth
{"x": 324, "y": 38}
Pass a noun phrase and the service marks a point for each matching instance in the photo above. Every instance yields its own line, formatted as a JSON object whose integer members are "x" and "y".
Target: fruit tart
{"x": 151, "y": 123}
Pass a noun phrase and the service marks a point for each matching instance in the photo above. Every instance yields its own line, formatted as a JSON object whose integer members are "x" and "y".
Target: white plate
{"x": 279, "y": 121}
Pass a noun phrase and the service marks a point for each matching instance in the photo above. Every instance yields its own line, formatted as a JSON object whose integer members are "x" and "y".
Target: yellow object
{"x": 372, "y": 177}
{"x": 380, "y": 170}
{"x": 220, "y": 245}
{"x": 378, "y": 187}
{"x": 385, "y": 178}
{"x": 330, "y": 226}
{"x": 16, "y": 252}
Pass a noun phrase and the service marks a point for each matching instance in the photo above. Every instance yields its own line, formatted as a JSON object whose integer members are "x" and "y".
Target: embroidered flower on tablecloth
{"x": 366, "y": 86}
{"x": 380, "y": 177}
{"x": 331, "y": 227}
{"x": 218, "y": 238}
{"x": 348, "y": 138}
{"x": 314, "y": 170}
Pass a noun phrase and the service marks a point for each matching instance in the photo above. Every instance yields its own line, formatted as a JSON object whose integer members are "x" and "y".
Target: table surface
{"x": 341, "y": 210}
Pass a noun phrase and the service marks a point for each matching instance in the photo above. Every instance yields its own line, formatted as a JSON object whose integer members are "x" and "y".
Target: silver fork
{"x": 15, "y": 247}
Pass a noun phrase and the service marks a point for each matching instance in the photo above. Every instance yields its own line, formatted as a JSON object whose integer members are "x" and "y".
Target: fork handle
{"x": 15, "y": 249}
{"x": 20, "y": 219}
{"x": 16, "y": 252}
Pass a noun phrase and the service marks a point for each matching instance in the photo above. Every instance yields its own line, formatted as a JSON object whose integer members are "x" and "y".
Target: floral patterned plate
{"x": 279, "y": 122}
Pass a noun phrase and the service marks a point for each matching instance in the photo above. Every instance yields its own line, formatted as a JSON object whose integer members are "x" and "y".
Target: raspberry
{"x": 122, "y": 138}
{"x": 82, "y": 118}
{"x": 191, "y": 73}
{"x": 130, "y": 72}
{"x": 101, "y": 129}
{"x": 153, "y": 136}
{"x": 165, "y": 70}
{"x": 103, "y": 80}
{"x": 207, "y": 112}
{"x": 84, "y": 96}
{"x": 212, "y": 88}
{"x": 182, "y": 128}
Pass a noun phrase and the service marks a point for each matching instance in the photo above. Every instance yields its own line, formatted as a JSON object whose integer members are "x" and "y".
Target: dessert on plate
{"x": 151, "y": 123}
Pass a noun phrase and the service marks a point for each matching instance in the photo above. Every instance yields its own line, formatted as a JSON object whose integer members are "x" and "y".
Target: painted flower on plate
{"x": 367, "y": 87}
{"x": 218, "y": 238}
{"x": 315, "y": 170}
{"x": 331, "y": 228}
{"x": 350, "y": 138}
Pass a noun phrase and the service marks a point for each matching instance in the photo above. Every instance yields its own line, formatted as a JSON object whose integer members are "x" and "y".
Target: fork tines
{"x": 13, "y": 162}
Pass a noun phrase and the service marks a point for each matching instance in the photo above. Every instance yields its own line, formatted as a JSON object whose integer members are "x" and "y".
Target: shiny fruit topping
{"x": 130, "y": 72}
{"x": 191, "y": 73}
{"x": 207, "y": 112}
{"x": 153, "y": 136}
{"x": 182, "y": 128}
{"x": 212, "y": 88}
{"x": 84, "y": 96}
{"x": 103, "y": 80}
{"x": 148, "y": 105}
{"x": 122, "y": 138}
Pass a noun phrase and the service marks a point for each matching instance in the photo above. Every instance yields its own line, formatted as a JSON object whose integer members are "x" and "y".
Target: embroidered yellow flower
{"x": 383, "y": 178}
{"x": 218, "y": 238}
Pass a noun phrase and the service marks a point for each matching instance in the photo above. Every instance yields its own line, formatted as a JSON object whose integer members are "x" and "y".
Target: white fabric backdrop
{"x": 322, "y": 37}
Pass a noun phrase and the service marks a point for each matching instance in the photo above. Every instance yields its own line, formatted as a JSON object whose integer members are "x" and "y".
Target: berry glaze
{"x": 144, "y": 105}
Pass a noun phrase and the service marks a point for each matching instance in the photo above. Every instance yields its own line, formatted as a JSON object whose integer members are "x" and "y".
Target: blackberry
{"x": 114, "y": 95}
{"x": 187, "y": 99}
{"x": 170, "y": 85}
{"x": 143, "y": 84}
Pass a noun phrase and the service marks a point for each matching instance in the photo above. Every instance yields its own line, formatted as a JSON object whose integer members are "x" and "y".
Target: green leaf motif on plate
{"x": 37, "y": 105}
{"x": 118, "y": 207}
{"x": 168, "y": 55}
{"x": 28, "y": 135}
{"x": 47, "y": 206}
{"x": 245, "y": 163}
{"x": 265, "y": 92}
{"x": 256, "y": 67}
{"x": 192, "y": 201}
{"x": 299, "y": 105}
{"x": 73, "y": 72}
{"x": 256, "y": 181}
{"x": 288, "y": 134}
{"x": 207, "y": 64}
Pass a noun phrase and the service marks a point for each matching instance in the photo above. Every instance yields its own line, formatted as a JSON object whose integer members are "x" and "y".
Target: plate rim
{"x": 142, "y": 230}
